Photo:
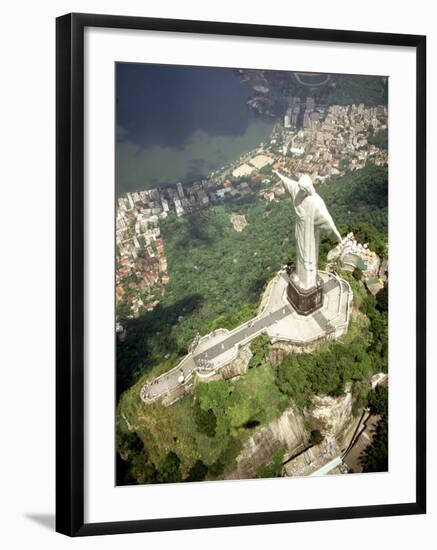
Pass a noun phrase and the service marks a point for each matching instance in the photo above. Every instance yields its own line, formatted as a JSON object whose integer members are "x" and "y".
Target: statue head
{"x": 305, "y": 184}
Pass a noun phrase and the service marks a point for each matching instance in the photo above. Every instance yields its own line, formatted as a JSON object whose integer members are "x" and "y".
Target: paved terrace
{"x": 278, "y": 319}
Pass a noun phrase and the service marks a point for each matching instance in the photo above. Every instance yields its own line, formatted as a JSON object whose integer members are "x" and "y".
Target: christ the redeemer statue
{"x": 312, "y": 217}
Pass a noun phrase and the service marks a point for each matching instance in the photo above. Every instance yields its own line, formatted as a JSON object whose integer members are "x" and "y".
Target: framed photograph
{"x": 240, "y": 274}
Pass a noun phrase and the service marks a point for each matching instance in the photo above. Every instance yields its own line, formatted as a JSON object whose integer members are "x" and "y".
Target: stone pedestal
{"x": 304, "y": 301}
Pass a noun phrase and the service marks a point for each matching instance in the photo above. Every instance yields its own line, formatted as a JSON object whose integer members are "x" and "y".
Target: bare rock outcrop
{"x": 280, "y": 349}
{"x": 335, "y": 413}
{"x": 239, "y": 365}
{"x": 334, "y": 419}
{"x": 287, "y": 432}
{"x": 332, "y": 416}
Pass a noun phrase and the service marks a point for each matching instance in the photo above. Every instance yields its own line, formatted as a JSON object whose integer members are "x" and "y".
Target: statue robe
{"x": 312, "y": 217}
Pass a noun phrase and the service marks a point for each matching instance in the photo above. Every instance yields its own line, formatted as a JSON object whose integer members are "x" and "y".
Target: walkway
{"x": 278, "y": 319}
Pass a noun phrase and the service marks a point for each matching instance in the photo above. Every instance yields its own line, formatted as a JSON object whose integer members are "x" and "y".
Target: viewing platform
{"x": 278, "y": 320}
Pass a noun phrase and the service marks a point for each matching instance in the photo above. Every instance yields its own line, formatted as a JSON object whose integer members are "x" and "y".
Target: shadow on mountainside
{"x": 149, "y": 338}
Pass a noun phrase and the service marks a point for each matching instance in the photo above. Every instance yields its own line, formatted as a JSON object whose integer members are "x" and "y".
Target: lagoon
{"x": 177, "y": 123}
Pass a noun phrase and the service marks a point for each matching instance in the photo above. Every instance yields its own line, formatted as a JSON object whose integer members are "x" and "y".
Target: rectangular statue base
{"x": 304, "y": 301}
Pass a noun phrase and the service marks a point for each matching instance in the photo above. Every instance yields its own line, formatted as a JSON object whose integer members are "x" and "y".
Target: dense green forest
{"x": 216, "y": 279}
{"x": 333, "y": 89}
{"x": 350, "y": 89}
{"x": 380, "y": 139}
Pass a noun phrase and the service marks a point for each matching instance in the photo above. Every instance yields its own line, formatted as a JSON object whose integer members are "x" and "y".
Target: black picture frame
{"x": 70, "y": 273}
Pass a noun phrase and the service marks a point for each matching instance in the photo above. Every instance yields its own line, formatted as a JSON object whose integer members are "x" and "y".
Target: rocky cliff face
{"x": 288, "y": 432}
{"x": 280, "y": 349}
{"x": 239, "y": 365}
{"x": 333, "y": 417}
{"x": 291, "y": 431}
{"x": 334, "y": 413}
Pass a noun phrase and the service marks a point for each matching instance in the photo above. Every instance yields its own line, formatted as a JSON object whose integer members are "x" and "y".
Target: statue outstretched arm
{"x": 330, "y": 225}
{"x": 336, "y": 232}
{"x": 290, "y": 185}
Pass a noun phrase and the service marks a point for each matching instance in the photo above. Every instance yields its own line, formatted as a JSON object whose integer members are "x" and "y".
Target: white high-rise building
{"x": 287, "y": 118}
{"x": 180, "y": 190}
{"x": 179, "y": 208}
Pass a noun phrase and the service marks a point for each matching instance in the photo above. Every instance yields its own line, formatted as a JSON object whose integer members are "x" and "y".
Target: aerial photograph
{"x": 252, "y": 278}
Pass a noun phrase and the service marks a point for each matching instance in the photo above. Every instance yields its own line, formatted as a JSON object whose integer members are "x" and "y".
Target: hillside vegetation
{"x": 217, "y": 274}
{"x": 216, "y": 279}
